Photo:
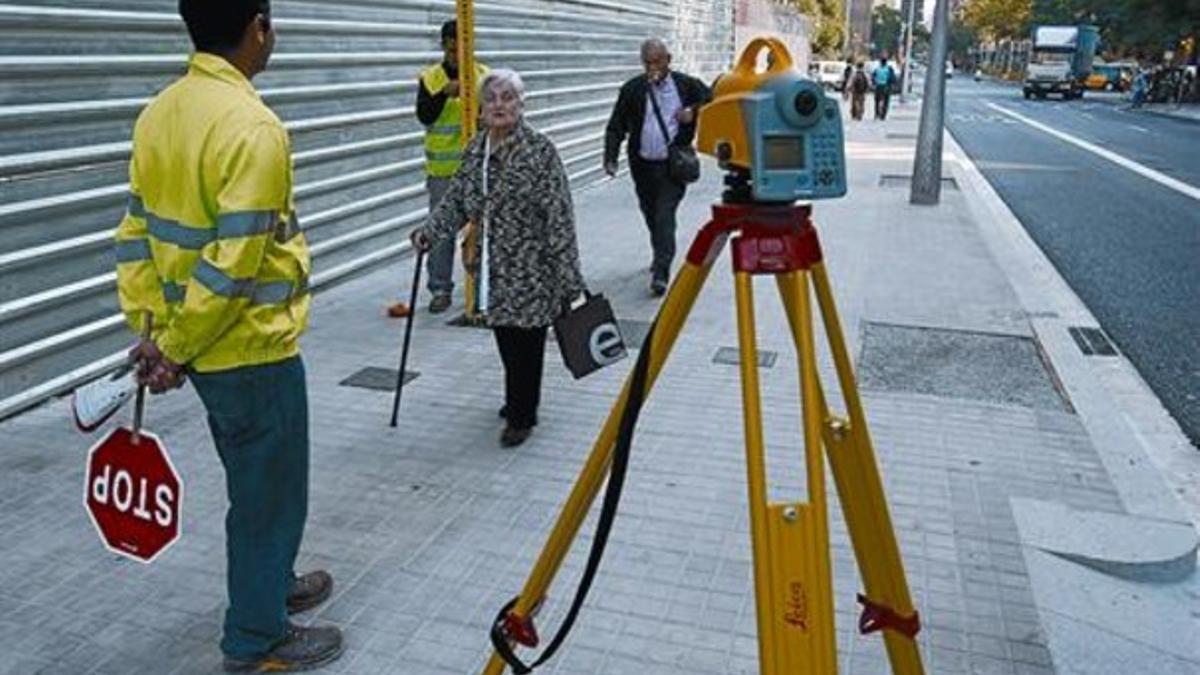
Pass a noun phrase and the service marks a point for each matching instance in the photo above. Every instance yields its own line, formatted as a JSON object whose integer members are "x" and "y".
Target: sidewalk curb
{"x": 1138, "y": 468}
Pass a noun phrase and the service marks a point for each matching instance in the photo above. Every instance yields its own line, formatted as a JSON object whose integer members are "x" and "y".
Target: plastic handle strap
{"x": 749, "y": 58}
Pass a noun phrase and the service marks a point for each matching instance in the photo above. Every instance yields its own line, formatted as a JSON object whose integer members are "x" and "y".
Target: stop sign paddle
{"x": 133, "y": 494}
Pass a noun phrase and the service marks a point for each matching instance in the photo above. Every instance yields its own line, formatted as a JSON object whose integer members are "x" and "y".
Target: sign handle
{"x": 139, "y": 406}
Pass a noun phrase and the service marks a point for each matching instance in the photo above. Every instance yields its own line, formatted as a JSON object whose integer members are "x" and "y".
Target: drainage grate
{"x": 633, "y": 332}
{"x": 378, "y": 379}
{"x": 1003, "y": 369}
{"x": 731, "y": 356}
{"x": 891, "y": 180}
{"x": 461, "y": 321}
{"x": 902, "y": 135}
{"x": 1092, "y": 341}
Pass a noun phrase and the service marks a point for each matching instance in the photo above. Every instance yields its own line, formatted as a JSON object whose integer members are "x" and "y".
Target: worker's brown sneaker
{"x": 309, "y": 590}
{"x": 440, "y": 303}
{"x": 304, "y": 648}
{"x": 399, "y": 310}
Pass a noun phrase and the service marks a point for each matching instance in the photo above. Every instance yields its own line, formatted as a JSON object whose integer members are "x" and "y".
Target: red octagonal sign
{"x": 133, "y": 494}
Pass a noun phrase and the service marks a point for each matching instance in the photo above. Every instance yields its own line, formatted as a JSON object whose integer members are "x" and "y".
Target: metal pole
{"x": 927, "y": 166}
{"x": 908, "y": 42}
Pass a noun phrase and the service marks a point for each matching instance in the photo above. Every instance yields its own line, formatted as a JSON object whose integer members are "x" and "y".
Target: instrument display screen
{"x": 783, "y": 152}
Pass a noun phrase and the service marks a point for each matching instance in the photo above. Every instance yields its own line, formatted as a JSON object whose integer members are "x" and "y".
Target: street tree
{"x": 828, "y": 36}
{"x": 887, "y": 29}
{"x": 998, "y": 19}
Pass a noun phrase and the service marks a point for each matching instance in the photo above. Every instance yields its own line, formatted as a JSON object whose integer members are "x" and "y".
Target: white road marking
{"x": 1137, "y": 128}
{"x": 1121, "y": 161}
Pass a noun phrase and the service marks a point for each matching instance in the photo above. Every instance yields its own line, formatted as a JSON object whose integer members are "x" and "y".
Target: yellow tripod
{"x": 792, "y": 577}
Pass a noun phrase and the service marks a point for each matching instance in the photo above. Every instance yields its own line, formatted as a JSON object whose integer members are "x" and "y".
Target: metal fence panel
{"x": 74, "y": 76}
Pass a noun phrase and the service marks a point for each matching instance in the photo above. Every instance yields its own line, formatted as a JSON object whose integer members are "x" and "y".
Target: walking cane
{"x": 412, "y": 310}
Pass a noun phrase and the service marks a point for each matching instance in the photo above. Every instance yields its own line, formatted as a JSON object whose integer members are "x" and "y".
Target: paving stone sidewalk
{"x": 430, "y": 527}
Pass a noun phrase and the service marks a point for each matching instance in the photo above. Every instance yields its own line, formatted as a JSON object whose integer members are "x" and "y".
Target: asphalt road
{"x": 1129, "y": 246}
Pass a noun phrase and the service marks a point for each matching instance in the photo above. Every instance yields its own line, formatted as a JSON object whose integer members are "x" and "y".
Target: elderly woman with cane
{"x": 513, "y": 185}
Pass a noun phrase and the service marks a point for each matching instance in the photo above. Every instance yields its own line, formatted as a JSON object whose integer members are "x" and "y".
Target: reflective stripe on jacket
{"x": 443, "y": 139}
{"x": 210, "y": 242}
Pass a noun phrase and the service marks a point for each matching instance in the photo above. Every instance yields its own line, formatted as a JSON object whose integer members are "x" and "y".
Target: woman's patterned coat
{"x": 533, "y": 255}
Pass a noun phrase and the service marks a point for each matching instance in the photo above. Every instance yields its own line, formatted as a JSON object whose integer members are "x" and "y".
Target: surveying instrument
{"x": 779, "y": 137}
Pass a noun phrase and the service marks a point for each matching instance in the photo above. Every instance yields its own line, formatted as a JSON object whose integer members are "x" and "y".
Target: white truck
{"x": 1060, "y": 61}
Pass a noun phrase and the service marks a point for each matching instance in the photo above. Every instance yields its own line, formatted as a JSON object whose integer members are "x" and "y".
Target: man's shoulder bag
{"x": 682, "y": 163}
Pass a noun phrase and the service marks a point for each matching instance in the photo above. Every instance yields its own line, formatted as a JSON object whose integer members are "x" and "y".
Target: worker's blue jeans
{"x": 258, "y": 416}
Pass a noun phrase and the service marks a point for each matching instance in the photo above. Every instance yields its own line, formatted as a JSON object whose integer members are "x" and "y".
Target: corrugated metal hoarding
{"x": 74, "y": 75}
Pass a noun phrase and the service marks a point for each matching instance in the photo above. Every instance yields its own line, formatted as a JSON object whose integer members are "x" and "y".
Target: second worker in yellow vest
{"x": 439, "y": 109}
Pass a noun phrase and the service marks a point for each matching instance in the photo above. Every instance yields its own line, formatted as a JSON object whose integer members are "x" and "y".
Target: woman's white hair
{"x": 505, "y": 77}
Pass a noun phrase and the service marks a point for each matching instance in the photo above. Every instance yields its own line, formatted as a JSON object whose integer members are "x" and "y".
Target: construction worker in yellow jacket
{"x": 210, "y": 247}
{"x": 439, "y": 109}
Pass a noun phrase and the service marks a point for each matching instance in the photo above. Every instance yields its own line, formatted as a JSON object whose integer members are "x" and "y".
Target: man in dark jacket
{"x": 678, "y": 98}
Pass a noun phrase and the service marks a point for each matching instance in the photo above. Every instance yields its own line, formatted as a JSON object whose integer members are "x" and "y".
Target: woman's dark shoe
{"x": 309, "y": 590}
{"x": 304, "y": 648}
{"x": 503, "y": 413}
{"x": 511, "y": 437}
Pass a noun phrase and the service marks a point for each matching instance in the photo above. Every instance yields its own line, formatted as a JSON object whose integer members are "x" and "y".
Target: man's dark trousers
{"x": 658, "y": 197}
{"x": 258, "y": 416}
{"x": 883, "y": 94}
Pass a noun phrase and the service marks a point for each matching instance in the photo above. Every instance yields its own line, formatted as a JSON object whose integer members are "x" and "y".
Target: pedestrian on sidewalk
{"x": 678, "y": 98}
{"x": 513, "y": 184}
{"x": 210, "y": 246}
{"x": 885, "y": 79}
{"x": 439, "y": 109}
{"x": 847, "y": 77}
{"x": 859, "y": 84}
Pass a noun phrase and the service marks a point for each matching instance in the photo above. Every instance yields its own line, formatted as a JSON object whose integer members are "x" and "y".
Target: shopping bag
{"x": 588, "y": 336}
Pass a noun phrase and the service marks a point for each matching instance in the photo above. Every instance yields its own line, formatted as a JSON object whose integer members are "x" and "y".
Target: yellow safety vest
{"x": 210, "y": 243}
{"x": 443, "y": 139}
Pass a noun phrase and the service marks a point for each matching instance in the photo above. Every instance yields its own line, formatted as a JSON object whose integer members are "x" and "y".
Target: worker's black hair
{"x": 218, "y": 25}
{"x": 450, "y": 30}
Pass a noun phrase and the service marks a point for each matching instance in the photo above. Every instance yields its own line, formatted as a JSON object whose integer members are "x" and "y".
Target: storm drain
{"x": 1002, "y": 369}
{"x": 731, "y": 356}
{"x": 378, "y": 379}
{"x": 892, "y": 180}
{"x": 461, "y": 321}
{"x": 904, "y": 135}
{"x": 1092, "y": 341}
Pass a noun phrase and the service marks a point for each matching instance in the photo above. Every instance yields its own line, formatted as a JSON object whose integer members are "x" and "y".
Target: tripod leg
{"x": 855, "y": 472}
{"x": 671, "y": 317}
{"x": 791, "y": 540}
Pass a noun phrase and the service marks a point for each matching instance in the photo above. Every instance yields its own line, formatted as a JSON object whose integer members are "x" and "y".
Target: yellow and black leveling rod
{"x": 468, "y": 96}
{"x": 770, "y": 236}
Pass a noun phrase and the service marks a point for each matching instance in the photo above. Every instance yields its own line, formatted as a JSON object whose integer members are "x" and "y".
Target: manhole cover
{"x": 731, "y": 356}
{"x": 957, "y": 364}
{"x": 378, "y": 379}
{"x": 891, "y": 180}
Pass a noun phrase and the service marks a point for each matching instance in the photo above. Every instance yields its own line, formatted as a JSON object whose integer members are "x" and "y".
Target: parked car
{"x": 1110, "y": 77}
{"x": 828, "y": 73}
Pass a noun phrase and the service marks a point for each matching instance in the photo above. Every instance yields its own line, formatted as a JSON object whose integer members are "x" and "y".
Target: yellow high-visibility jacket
{"x": 444, "y": 139}
{"x": 210, "y": 242}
